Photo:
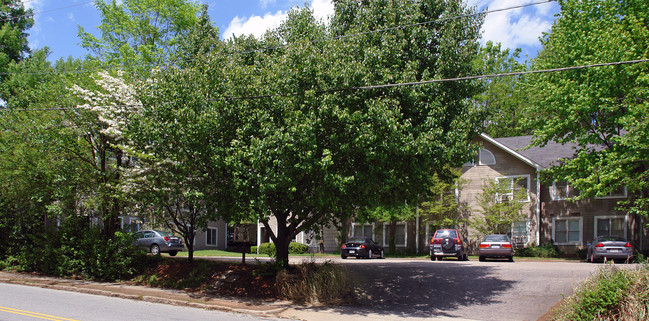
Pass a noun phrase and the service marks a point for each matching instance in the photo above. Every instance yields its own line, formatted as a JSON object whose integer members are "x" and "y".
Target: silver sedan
{"x": 609, "y": 247}
{"x": 496, "y": 246}
{"x": 158, "y": 242}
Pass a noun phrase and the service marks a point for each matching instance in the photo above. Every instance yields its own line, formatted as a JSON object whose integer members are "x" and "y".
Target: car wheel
{"x": 173, "y": 253}
{"x": 155, "y": 249}
{"x": 432, "y": 257}
{"x": 344, "y": 257}
{"x": 466, "y": 257}
{"x": 481, "y": 258}
{"x": 369, "y": 254}
{"x": 448, "y": 244}
{"x": 358, "y": 257}
{"x": 439, "y": 258}
{"x": 511, "y": 259}
{"x": 381, "y": 255}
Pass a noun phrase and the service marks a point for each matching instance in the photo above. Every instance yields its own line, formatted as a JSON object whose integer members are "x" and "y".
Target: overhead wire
{"x": 369, "y": 87}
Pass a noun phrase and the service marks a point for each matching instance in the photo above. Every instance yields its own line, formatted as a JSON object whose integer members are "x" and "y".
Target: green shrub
{"x": 253, "y": 249}
{"x": 75, "y": 249}
{"x": 267, "y": 248}
{"x": 612, "y": 294}
{"x": 546, "y": 250}
{"x": 297, "y": 248}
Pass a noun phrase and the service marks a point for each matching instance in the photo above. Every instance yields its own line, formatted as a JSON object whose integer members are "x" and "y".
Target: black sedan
{"x": 361, "y": 247}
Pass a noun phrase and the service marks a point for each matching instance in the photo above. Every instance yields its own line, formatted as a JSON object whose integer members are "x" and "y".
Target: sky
{"x": 57, "y": 21}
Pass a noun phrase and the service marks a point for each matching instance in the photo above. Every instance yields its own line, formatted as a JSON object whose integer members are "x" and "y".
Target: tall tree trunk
{"x": 393, "y": 232}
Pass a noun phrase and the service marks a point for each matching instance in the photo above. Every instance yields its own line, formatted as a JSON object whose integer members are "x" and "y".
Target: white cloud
{"x": 322, "y": 9}
{"x": 258, "y": 25}
{"x": 264, "y": 3}
{"x": 255, "y": 25}
{"x": 518, "y": 27}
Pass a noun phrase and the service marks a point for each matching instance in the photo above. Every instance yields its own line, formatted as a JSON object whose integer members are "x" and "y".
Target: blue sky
{"x": 56, "y": 21}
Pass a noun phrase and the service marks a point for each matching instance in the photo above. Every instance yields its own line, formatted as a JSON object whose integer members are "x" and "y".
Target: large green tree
{"x": 15, "y": 20}
{"x": 311, "y": 155}
{"x": 604, "y": 110}
{"x": 140, "y": 35}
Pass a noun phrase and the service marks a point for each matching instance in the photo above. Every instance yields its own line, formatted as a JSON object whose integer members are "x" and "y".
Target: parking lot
{"x": 417, "y": 289}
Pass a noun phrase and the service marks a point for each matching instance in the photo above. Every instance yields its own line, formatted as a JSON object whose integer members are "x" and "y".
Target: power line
{"x": 414, "y": 83}
{"x": 110, "y": 67}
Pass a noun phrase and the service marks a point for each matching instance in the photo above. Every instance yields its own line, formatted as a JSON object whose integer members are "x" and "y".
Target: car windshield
{"x": 611, "y": 238}
{"x": 357, "y": 239}
{"x": 446, "y": 233}
{"x": 496, "y": 238}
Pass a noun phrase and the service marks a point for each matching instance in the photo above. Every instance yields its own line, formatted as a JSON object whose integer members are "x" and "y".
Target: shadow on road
{"x": 411, "y": 289}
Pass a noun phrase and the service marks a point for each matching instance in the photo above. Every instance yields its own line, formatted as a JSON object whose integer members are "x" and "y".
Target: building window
{"x": 363, "y": 230}
{"x": 514, "y": 186}
{"x": 610, "y": 225}
{"x": 561, "y": 190}
{"x": 211, "y": 235}
{"x": 567, "y": 231}
{"x": 619, "y": 192}
{"x": 519, "y": 232}
{"x": 399, "y": 234}
{"x": 485, "y": 157}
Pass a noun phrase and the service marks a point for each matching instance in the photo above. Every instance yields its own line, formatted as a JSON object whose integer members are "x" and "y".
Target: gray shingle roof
{"x": 545, "y": 157}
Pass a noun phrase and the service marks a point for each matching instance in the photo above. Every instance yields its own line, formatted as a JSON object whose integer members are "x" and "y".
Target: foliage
{"x": 501, "y": 202}
{"x": 611, "y": 294}
{"x": 297, "y": 248}
{"x": 503, "y": 98}
{"x": 80, "y": 250}
{"x": 14, "y": 22}
{"x": 440, "y": 207}
{"x": 546, "y": 250}
{"x": 603, "y": 110}
{"x": 140, "y": 34}
{"x": 315, "y": 283}
{"x": 267, "y": 248}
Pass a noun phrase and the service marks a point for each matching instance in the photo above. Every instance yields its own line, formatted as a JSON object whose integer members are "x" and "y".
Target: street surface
{"x": 421, "y": 289}
{"x": 19, "y": 302}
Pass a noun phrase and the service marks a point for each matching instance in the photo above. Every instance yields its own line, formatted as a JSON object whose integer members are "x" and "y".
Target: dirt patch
{"x": 211, "y": 277}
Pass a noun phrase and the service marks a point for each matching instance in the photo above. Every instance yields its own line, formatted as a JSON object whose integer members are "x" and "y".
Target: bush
{"x": 267, "y": 248}
{"x": 80, "y": 251}
{"x": 253, "y": 249}
{"x": 314, "y": 283}
{"x": 546, "y": 250}
{"x": 297, "y": 248}
{"x": 612, "y": 294}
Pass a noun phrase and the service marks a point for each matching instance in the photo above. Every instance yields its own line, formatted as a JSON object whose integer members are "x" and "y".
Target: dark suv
{"x": 447, "y": 242}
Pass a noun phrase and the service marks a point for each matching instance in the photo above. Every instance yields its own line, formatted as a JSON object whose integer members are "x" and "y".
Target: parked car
{"x": 158, "y": 242}
{"x": 446, "y": 243}
{"x": 609, "y": 247}
{"x": 496, "y": 246}
{"x": 361, "y": 247}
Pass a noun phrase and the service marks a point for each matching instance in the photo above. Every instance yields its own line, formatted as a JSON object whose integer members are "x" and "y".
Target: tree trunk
{"x": 393, "y": 232}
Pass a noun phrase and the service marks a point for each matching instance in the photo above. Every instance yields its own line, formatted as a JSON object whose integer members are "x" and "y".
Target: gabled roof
{"x": 535, "y": 156}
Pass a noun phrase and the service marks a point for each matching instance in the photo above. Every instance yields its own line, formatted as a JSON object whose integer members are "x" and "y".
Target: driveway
{"x": 417, "y": 289}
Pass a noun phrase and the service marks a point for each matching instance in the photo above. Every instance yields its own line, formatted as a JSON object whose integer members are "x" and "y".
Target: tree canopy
{"x": 15, "y": 20}
{"x": 604, "y": 110}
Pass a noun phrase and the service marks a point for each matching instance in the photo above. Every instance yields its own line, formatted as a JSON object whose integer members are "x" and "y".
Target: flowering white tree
{"x": 106, "y": 103}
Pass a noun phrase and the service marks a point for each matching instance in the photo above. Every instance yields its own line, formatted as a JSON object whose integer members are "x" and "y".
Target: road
{"x": 421, "y": 289}
{"x": 18, "y": 303}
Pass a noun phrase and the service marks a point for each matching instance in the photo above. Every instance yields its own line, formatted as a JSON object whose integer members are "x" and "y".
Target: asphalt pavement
{"x": 388, "y": 289}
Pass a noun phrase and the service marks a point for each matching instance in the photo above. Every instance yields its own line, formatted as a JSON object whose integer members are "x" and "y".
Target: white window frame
{"x": 491, "y": 159}
{"x": 216, "y": 236}
{"x": 513, "y": 179}
{"x": 609, "y": 217}
{"x": 609, "y": 196}
{"x": 566, "y": 219}
{"x": 396, "y": 242}
{"x": 553, "y": 193}
{"x": 363, "y": 225}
